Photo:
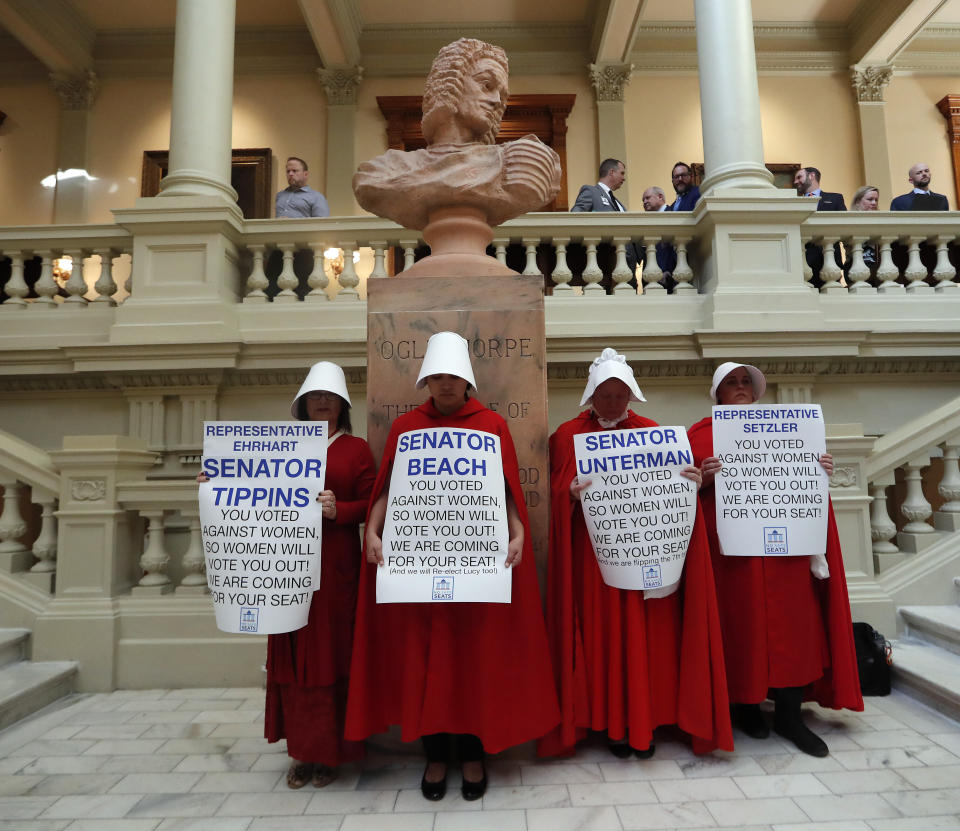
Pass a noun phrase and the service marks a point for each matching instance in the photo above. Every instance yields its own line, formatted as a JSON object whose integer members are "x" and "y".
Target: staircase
{"x": 926, "y": 659}
{"x": 25, "y": 686}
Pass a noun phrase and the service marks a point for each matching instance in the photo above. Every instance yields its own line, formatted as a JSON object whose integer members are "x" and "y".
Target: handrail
{"x": 913, "y": 438}
{"x": 29, "y": 464}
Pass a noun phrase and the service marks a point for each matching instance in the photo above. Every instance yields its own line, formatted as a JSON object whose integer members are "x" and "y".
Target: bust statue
{"x": 462, "y": 183}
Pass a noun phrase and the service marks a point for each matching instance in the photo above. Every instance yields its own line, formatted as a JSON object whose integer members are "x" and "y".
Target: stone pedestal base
{"x": 152, "y": 591}
{"x": 194, "y": 590}
{"x": 14, "y": 561}
{"x": 502, "y": 319}
{"x": 43, "y": 580}
{"x": 885, "y": 561}
{"x": 944, "y": 521}
{"x": 915, "y": 543}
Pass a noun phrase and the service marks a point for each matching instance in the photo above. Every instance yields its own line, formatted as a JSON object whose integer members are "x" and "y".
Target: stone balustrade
{"x": 34, "y": 261}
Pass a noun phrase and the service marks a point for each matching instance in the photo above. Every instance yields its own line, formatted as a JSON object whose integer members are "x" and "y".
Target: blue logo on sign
{"x": 651, "y": 577}
{"x": 249, "y": 620}
{"x": 443, "y": 588}
{"x": 775, "y": 540}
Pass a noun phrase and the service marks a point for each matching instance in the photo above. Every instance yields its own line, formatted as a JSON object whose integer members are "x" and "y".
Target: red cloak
{"x": 782, "y": 627}
{"x": 479, "y": 668}
{"x": 625, "y": 664}
{"x": 308, "y": 670}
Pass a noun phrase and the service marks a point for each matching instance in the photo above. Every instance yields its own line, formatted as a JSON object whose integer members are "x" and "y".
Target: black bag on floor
{"x": 873, "y": 659}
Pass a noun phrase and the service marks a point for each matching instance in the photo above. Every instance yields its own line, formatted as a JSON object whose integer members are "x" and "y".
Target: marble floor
{"x": 172, "y": 760}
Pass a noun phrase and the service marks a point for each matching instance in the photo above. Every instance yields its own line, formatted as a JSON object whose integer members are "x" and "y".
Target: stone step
{"x": 26, "y": 687}
{"x": 13, "y": 644}
{"x": 928, "y": 673}
{"x": 938, "y": 625}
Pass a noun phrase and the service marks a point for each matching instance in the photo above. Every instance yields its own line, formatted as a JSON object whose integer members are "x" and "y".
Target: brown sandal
{"x": 298, "y": 774}
{"x": 323, "y": 776}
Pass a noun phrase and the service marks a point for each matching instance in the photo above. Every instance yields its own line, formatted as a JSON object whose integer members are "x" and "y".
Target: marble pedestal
{"x": 502, "y": 318}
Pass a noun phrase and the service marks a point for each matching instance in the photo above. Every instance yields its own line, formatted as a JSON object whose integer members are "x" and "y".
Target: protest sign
{"x": 445, "y": 535}
{"x": 638, "y": 509}
{"x": 261, "y": 522}
{"x": 771, "y": 492}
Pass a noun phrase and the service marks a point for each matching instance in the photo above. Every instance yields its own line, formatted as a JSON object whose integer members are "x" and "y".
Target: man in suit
{"x": 599, "y": 197}
{"x": 655, "y": 200}
{"x": 807, "y": 182}
{"x": 921, "y": 198}
{"x": 688, "y": 194}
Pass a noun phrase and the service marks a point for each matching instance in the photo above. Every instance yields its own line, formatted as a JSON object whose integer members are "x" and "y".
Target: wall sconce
{"x": 62, "y": 269}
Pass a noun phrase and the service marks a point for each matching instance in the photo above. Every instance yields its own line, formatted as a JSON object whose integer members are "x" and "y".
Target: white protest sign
{"x": 445, "y": 535}
{"x": 771, "y": 492}
{"x": 261, "y": 522}
{"x": 638, "y": 509}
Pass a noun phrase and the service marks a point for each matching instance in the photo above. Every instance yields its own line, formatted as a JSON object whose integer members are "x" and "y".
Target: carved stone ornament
{"x": 609, "y": 80}
{"x": 341, "y": 83}
{"x": 462, "y": 183}
{"x": 844, "y": 477}
{"x": 869, "y": 83}
{"x": 88, "y": 490}
{"x": 78, "y": 90}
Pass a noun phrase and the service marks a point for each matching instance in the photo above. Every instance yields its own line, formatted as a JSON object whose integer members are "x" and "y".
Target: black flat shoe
{"x": 646, "y": 754}
{"x": 748, "y": 718}
{"x": 434, "y": 791}
{"x": 472, "y": 791}
{"x": 804, "y": 738}
{"x": 621, "y": 750}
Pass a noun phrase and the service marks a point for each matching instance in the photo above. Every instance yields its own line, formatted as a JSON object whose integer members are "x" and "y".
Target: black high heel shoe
{"x": 472, "y": 791}
{"x": 434, "y": 791}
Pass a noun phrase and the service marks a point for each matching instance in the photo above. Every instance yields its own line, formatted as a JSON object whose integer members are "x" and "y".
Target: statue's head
{"x": 467, "y": 84}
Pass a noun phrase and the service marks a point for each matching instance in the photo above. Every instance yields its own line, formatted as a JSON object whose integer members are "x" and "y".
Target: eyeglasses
{"x": 681, "y": 175}
{"x": 321, "y": 396}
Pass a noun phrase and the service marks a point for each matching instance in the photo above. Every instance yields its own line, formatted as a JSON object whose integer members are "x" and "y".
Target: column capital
{"x": 77, "y": 90}
{"x": 610, "y": 79}
{"x": 340, "y": 83}
{"x": 869, "y": 82}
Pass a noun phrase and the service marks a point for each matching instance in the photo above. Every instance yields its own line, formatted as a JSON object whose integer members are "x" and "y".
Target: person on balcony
{"x": 807, "y": 182}
{"x": 655, "y": 200}
{"x": 626, "y": 661}
{"x": 600, "y": 197}
{"x": 462, "y": 677}
{"x": 866, "y": 198}
{"x": 308, "y": 670}
{"x": 787, "y": 633}
{"x": 298, "y": 199}
{"x": 688, "y": 194}
{"x": 921, "y": 198}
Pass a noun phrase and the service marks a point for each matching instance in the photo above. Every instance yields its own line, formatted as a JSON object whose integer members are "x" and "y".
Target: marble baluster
{"x": 882, "y": 528}
{"x": 807, "y": 270}
{"x": 652, "y": 274}
{"x": 105, "y": 285}
{"x": 194, "y": 565}
{"x": 500, "y": 250}
{"x": 561, "y": 274}
{"x": 409, "y": 252}
{"x": 155, "y": 557}
{"x": 46, "y": 287}
{"x": 379, "y": 258}
{"x": 287, "y": 279}
{"x": 257, "y": 282}
{"x": 45, "y": 545}
{"x": 621, "y": 272}
{"x": 592, "y": 275}
{"x": 128, "y": 283}
{"x": 944, "y": 272}
{"x": 76, "y": 286}
{"x": 830, "y": 272}
{"x": 14, "y": 555}
{"x": 859, "y": 272}
{"x": 317, "y": 280}
{"x": 915, "y": 507}
{"x": 947, "y": 518}
{"x": 683, "y": 274}
{"x": 348, "y": 277}
{"x": 916, "y": 272}
{"x": 16, "y": 288}
{"x": 531, "y": 269}
{"x": 887, "y": 272}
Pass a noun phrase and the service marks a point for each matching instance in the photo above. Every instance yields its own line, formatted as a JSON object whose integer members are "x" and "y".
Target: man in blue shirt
{"x": 688, "y": 194}
{"x": 298, "y": 199}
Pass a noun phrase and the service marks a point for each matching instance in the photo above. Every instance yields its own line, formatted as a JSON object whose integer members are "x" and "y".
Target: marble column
{"x": 729, "y": 97}
{"x": 77, "y": 92}
{"x": 340, "y": 85}
{"x": 869, "y": 84}
{"x": 609, "y": 82}
{"x": 202, "y": 108}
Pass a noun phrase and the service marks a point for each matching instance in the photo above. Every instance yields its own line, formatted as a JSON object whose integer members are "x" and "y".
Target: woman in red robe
{"x": 308, "y": 670}
{"x": 626, "y": 664}
{"x": 786, "y": 633}
{"x": 474, "y": 675}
